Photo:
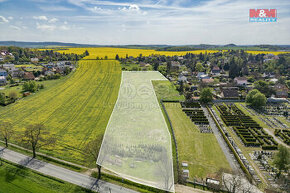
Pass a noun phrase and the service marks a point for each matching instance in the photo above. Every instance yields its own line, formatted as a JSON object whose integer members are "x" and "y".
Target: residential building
{"x": 28, "y": 76}
{"x": 3, "y": 72}
{"x": 230, "y": 92}
{"x": 241, "y": 81}
{"x": 215, "y": 70}
{"x": 3, "y": 80}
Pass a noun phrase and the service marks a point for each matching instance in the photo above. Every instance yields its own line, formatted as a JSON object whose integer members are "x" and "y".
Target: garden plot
{"x": 137, "y": 143}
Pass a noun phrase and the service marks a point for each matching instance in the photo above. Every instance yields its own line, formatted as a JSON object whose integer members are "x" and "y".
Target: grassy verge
{"x": 18, "y": 179}
{"x": 46, "y": 159}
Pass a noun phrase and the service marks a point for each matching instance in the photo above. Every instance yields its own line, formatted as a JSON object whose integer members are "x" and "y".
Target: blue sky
{"x": 115, "y": 22}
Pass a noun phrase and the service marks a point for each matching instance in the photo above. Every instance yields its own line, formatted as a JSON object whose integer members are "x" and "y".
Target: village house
{"x": 8, "y": 66}
{"x": 215, "y": 70}
{"x": 182, "y": 78}
{"x": 175, "y": 65}
{"x": 207, "y": 80}
{"x": 281, "y": 91}
{"x": 241, "y": 81}
{"x": 230, "y": 92}
{"x": 48, "y": 73}
{"x": 3, "y": 73}
{"x": 34, "y": 60}
{"x": 3, "y": 80}
{"x": 28, "y": 76}
{"x": 16, "y": 73}
{"x": 199, "y": 74}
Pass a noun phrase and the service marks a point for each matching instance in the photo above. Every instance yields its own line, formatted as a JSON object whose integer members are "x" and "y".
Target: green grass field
{"x": 16, "y": 179}
{"x": 76, "y": 108}
{"x": 200, "y": 150}
{"x": 166, "y": 90}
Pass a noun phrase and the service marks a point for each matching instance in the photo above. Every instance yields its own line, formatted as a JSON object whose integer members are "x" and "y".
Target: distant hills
{"x": 156, "y": 47}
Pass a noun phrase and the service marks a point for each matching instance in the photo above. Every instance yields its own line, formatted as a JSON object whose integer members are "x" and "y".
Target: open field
{"x": 17, "y": 179}
{"x": 166, "y": 90}
{"x": 110, "y": 52}
{"x": 200, "y": 150}
{"x": 122, "y": 52}
{"x": 137, "y": 143}
{"x": 75, "y": 109}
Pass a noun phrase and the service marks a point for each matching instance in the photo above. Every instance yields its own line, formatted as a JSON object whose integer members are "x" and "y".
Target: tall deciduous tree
{"x": 36, "y": 136}
{"x": 91, "y": 152}
{"x": 206, "y": 95}
{"x": 282, "y": 159}
{"x": 6, "y": 131}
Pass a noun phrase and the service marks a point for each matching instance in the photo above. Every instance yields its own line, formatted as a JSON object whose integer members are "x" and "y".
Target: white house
{"x": 3, "y": 80}
{"x": 241, "y": 81}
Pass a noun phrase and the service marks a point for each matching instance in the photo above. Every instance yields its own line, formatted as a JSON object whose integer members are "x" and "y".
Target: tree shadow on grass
{"x": 19, "y": 172}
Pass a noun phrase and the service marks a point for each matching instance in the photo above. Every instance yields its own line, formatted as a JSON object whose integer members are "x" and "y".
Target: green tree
{"x": 259, "y": 100}
{"x": 91, "y": 152}
{"x": 13, "y": 95}
{"x": 2, "y": 99}
{"x": 263, "y": 87}
{"x": 234, "y": 69}
{"x": 199, "y": 67}
{"x": 206, "y": 95}
{"x": 6, "y": 131}
{"x": 250, "y": 95}
{"x": 36, "y": 136}
{"x": 282, "y": 159}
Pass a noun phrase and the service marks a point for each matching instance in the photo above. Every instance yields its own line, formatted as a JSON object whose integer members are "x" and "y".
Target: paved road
{"x": 230, "y": 157}
{"x": 62, "y": 173}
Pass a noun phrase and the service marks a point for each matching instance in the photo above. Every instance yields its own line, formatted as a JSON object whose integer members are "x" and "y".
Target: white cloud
{"x": 15, "y": 27}
{"x": 64, "y": 27}
{"x": 3, "y": 19}
{"x": 10, "y": 18}
{"x": 53, "y": 20}
{"x": 42, "y": 17}
{"x": 45, "y": 27}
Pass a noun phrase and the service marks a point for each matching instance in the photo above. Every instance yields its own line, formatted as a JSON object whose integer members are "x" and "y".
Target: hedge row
{"x": 284, "y": 135}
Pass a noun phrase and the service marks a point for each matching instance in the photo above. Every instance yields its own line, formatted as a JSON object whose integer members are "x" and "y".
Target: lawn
{"x": 200, "y": 150}
{"x": 166, "y": 90}
{"x": 75, "y": 109}
{"x": 17, "y": 179}
{"x": 18, "y": 89}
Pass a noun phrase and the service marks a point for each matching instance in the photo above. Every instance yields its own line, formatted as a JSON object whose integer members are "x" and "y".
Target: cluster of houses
{"x": 4, "y": 54}
{"x": 225, "y": 89}
{"x": 26, "y": 73}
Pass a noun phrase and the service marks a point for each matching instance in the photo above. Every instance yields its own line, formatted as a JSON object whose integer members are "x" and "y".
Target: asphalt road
{"x": 62, "y": 173}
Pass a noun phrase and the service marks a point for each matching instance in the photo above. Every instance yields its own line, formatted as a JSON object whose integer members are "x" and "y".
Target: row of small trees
{"x": 34, "y": 136}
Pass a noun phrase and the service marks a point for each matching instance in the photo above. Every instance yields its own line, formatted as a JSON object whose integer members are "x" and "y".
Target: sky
{"x": 124, "y": 22}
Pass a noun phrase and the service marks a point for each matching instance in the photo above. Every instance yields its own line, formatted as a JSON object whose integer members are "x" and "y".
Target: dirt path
{"x": 276, "y": 138}
{"x": 186, "y": 189}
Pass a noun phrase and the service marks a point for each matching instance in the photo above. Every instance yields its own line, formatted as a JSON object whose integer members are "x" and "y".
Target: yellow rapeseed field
{"x": 110, "y": 52}
{"x": 75, "y": 109}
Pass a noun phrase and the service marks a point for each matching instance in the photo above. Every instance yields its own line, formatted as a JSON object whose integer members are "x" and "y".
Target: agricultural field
{"x": 110, "y": 52}
{"x": 17, "y": 179}
{"x": 137, "y": 143}
{"x": 200, "y": 150}
{"x": 75, "y": 109}
{"x": 101, "y": 52}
